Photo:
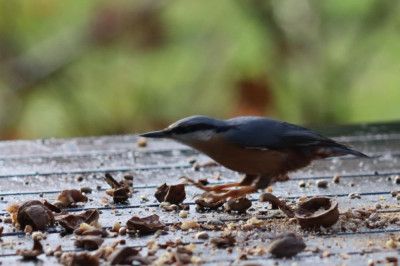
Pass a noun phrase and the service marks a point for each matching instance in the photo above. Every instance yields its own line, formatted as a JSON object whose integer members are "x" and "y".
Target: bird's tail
{"x": 345, "y": 150}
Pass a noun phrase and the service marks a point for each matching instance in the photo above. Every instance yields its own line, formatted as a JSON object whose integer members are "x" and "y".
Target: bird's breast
{"x": 249, "y": 161}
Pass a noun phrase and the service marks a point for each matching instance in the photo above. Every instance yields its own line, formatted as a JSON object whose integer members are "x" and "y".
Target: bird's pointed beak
{"x": 156, "y": 134}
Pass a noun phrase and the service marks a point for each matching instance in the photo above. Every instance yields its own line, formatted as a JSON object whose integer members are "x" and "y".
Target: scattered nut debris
{"x": 336, "y": 179}
{"x": 141, "y": 142}
{"x": 116, "y": 227}
{"x": 12, "y": 208}
{"x": 202, "y": 235}
{"x": 179, "y": 256}
{"x": 32, "y": 254}
{"x": 354, "y": 219}
{"x": 224, "y": 241}
{"x": 183, "y": 214}
{"x": 354, "y": 195}
{"x": 322, "y": 183}
{"x": 397, "y": 179}
{"x": 240, "y": 205}
{"x": 35, "y": 214}
{"x": 302, "y": 183}
{"x": 344, "y": 256}
{"x": 86, "y": 190}
{"x": 128, "y": 177}
{"x": 69, "y": 197}
{"x": 393, "y": 193}
{"x": 89, "y": 242}
{"x": 208, "y": 226}
{"x": 145, "y": 225}
{"x": 52, "y": 207}
{"x": 191, "y": 160}
{"x": 28, "y": 229}
{"x": 170, "y": 243}
{"x": 287, "y": 245}
{"x": 84, "y": 258}
{"x": 120, "y": 192}
{"x": 303, "y": 198}
{"x": 310, "y": 213}
{"x": 122, "y": 231}
{"x": 275, "y": 202}
{"x": 196, "y": 167}
{"x": 316, "y": 212}
{"x": 174, "y": 194}
{"x": 37, "y": 235}
{"x": 71, "y": 222}
{"x": 393, "y": 260}
{"x": 203, "y": 204}
{"x": 391, "y": 243}
{"x": 186, "y": 225}
{"x": 217, "y": 176}
{"x": 254, "y": 222}
{"x": 126, "y": 255}
{"x": 144, "y": 198}
{"x": 168, "y": 206}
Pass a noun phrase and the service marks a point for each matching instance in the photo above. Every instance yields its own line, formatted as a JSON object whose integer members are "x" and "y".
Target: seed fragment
{"x": 240, "y": 205}
{"x": 122, "y": 230}
{"x": 336, "y": 179}
{"x": 141, "y": 142}
{"x": 287, "y": 245}
{"x": 146, "y": 225}
{"x": 354, "y": 195}
{"x": 189, "y": 225}
{"x": 391, "y": 244}
{"x": 183, "y": 214}
{"x": 116, "y": 227}
{"x": 202, "y": 235}
{"x": 86, "y": 190}
{"x": 69, "y": 197}
{"x": 322, "y": 183}
{"x": 173, "y": 194}
{"x": 36, "y": 250}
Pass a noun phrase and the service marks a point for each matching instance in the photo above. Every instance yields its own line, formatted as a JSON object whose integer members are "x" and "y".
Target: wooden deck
{"x": 40, "y": 169}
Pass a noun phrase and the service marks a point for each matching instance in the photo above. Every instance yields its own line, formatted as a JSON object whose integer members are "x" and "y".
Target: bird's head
{"x": 191, "y": 129}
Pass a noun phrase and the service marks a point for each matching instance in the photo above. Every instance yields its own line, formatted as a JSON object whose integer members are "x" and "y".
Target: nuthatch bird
{"x": 265, "y": 150}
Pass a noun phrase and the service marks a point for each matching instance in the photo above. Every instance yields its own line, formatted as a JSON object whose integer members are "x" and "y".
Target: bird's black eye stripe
{"x": 196, "y": 128}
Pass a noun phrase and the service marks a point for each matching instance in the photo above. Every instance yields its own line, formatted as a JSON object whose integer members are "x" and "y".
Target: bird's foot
{"x": 216, "y": 188}
{"x": 232, "y": 193}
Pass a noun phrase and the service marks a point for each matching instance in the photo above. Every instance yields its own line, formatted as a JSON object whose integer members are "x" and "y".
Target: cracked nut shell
{"x": 316, "y": 212}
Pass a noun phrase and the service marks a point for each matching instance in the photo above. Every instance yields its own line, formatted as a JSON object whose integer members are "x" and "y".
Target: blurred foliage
{"x": 71, "y": 68}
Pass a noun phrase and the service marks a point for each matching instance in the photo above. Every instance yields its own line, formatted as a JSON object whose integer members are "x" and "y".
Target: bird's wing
{"x": 263, "y": 133}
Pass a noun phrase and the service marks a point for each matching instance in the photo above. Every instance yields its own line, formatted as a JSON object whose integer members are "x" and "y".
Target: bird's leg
{"x": 216, "y": 188}
{"x": 233, "y": 193}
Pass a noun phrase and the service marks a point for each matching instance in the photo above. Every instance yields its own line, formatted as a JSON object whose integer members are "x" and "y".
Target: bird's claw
{"x": 219, "y": 192}
{"x": 196, "y": 184}
{"x": 187, "y": 179}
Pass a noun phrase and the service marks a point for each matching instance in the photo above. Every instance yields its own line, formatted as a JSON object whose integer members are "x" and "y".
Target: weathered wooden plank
{"x": 89, "y": 146}
{"x": 30, "y": 168}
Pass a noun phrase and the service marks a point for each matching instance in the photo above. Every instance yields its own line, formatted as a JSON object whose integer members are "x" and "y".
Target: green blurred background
{"x": 74, "y": 68}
